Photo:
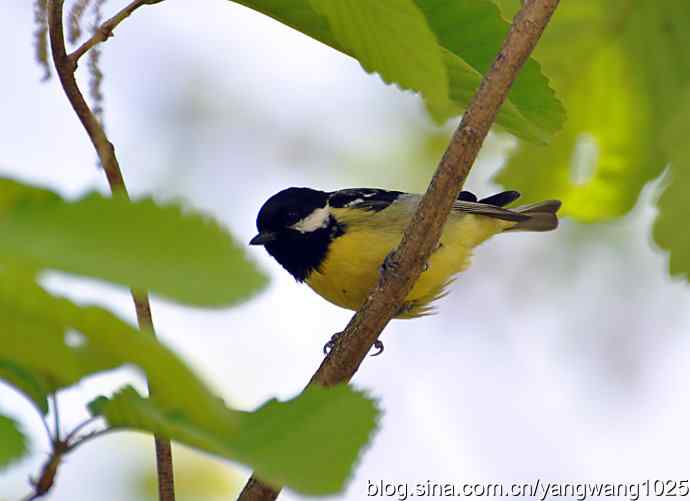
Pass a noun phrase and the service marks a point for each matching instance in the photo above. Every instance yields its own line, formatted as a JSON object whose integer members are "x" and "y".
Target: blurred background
{"x": 560, "y": 356}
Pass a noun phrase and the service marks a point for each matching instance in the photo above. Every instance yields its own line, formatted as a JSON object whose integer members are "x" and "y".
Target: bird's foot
{"x": 389, "y": 264}
{"x": 331, "y": 343}
{"x": 405, "y": 308}
{"x": 378, "y": 345}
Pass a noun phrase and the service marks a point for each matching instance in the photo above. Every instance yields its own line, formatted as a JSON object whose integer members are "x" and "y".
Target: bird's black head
{"x": 296, "y": 227}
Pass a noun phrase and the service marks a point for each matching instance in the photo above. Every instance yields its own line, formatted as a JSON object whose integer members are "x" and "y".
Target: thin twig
{"x": 65, "y": 67}
{"x": 46, "y": 426}
{"x": 59, "y": 448}
{"x": 79, "y": 427}
{"x": 88, "y": 437}
{"x": 105, "y": 30}
{"x": 404, "y": 266}
{"x": 56, "y": 416}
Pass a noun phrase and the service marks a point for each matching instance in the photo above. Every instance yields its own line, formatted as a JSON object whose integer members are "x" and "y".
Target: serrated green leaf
{"x": 172, "y": 251}
{"x": 308, "y": 443}
{"x": 26, "y": 383}
{"x": 620, "y": 90}
{"x": 13, "y": 443}
{"x": 532, "y": 110}
{"x": 98, "y": 404}
{"x": 372, "y": 34}
{"x": 61, "y": 343}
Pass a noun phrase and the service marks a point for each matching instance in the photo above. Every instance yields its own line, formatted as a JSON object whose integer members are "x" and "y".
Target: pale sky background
{"x": 558, "y": 356}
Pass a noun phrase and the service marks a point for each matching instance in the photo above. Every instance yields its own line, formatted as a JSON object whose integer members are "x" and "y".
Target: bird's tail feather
{"x": 542, "y": 216}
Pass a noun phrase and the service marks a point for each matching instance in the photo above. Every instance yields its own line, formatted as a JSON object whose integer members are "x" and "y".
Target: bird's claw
{"x": 378, "y": 345}
{"x": 389, "y": 264}
{"x": 331, "y": 343}
{"x": 405, "y": 308}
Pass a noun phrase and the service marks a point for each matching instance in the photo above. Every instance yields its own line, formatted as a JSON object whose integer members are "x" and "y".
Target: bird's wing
{"x": 374, "y": 199}
{"x": 489, "y": 211}
{"x": 370, "y": 199}
{"x": 500, "y": 199}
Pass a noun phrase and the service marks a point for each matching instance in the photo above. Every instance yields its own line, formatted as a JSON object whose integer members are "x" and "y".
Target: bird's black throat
{"x": 302, "y": 253}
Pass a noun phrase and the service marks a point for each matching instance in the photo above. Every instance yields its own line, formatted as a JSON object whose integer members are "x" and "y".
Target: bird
{"x": 337, "y": 241}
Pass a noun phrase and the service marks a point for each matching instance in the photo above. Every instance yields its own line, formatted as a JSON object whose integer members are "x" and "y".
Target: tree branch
{"x": 105, "y": 30}
{"x": 403, "y": 267}
{"x": 59, "y": 449}
{"x": 65, "y": 67}
{"x": 46, "y": 479}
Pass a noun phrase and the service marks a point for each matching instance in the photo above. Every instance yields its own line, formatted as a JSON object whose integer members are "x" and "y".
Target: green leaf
{"x": 168, "y": 249}
{"x": 670, "y": 227}
{"x": 389, "y": 38}
{"x": 35, "y": 330}
{"x": 532, "y": 110}
{"x": 13, "y": 443}
{"x": 60, "y": 343}
{"x": 508, "y": 7}
{"x": 393, "y": 39}
{"x": 607, "y": 182}
{"x": 308, "y": 443}
{"x": 26, "y": 383}
{"x": 620, "y": 89}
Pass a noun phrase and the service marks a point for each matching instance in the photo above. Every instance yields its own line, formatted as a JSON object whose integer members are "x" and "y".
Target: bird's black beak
{"x": 263, "y": 238}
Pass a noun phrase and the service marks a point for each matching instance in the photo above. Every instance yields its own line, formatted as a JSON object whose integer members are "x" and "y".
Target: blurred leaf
{"x": 60, "y": 343}
{"x": 391, "y": 38}
{"x": 308, "y": 443}
{"x": 13, "y": 443}
{"x": 167, "y": 249}
{"x": 509, "y": 7}
{"x": 26, "y": 383}
{"x": 311, "y": 442}
{"x": 670, "y": 227}
{"x": 387, "y": 38}
{"x": 619, "y": 88}
{"x": 37, "y": 333}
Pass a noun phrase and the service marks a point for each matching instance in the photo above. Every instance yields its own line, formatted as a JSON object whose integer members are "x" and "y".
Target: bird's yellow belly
{"x": 351, "y": 268}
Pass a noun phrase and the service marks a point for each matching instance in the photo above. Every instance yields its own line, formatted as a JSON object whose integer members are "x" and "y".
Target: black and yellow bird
{"x": 336, "y": 241}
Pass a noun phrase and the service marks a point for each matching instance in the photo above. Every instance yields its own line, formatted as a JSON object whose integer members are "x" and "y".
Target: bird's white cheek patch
{"x": 314, "y": 221}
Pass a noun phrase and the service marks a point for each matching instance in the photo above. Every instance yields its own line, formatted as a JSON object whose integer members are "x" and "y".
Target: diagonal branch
{"x": 66, "y": 67}
{"x": 105, "y": 30}
{"x": 403, "y": 267}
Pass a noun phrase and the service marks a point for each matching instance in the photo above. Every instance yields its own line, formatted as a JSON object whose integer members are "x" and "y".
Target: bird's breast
{"x": 351, "y": 267}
